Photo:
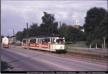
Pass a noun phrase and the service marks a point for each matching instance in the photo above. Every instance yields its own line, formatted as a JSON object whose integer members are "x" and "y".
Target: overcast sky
{"x": 15, "y": 13}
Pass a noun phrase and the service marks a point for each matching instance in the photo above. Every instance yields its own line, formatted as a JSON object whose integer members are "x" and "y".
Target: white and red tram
{"x": 45, "y": 43}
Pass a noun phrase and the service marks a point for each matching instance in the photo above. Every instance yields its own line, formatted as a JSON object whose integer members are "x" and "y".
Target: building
{"x": 76, "y": 26}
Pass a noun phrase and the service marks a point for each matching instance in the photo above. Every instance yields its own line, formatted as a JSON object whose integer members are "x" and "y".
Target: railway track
{"x": 44, "y": 60}
{"x": 86, "y": 57}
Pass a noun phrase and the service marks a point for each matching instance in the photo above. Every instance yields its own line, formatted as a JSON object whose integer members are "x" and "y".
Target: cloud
{"x": 17, "y": 12}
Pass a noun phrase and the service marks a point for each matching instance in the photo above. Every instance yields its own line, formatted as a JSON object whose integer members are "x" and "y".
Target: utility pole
{"x": 104, "y": 38}
{"x": 90, "y": 45}
{"x": 96, "y": 45}
{"x": 27, "y": 35}
{"x": 60, "y": 23}
{"x": 27, "y": 30}
{"x": 13, "y": 32}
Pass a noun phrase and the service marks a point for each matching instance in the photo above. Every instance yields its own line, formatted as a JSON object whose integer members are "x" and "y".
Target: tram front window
{"x": 60, "y": 41}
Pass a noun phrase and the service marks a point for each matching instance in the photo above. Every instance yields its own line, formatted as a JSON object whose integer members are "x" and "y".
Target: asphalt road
{"x": 30, "y": 60}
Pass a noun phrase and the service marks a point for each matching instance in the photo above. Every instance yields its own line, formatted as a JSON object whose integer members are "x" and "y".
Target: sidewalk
{"x": 89, "y": 51}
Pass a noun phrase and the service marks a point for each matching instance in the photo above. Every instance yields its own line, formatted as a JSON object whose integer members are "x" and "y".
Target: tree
{"x": 71, "y": 34}
{"x": 19, "y": 36}
{"x": 64, "y": 31}
{"x": 101, "y": 31}
{"x": 48, "y": 26}
{"x": 33, "y": 30}
{"x": 93, "y": 25}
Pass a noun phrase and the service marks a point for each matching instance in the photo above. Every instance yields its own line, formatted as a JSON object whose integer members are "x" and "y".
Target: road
{"x": 30, "y": 60}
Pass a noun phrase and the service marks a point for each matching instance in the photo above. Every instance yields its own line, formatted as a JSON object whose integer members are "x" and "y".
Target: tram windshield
{"x": 60, "y": 41}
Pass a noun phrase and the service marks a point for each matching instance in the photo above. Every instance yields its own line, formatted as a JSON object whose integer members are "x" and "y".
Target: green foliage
{"x": 33, "y": 30}
{"x": 96, "y": 25}
{"x": 19, "y": 35}
{"x": 71, "y": 34}
{"x": 48, "y": 26}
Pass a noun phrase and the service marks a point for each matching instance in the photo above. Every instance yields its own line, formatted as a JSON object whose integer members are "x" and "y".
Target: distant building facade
{"x": 76, "y": 26}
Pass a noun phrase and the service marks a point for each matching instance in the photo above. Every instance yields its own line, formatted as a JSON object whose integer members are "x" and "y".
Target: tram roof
{"x": 43, "y": 37}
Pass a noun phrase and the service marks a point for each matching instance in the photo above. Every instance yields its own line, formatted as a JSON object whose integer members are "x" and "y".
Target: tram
{"x": 5, "y": 42}
{"x": 54, "y": 44}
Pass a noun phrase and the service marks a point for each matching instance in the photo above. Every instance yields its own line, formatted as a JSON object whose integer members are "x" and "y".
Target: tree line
{"x": 95, "y": 28}
{"x": 49, "y": 27}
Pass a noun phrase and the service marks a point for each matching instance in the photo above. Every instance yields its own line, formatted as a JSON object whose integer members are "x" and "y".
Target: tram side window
{"x": 33, "y": 41}
{"x": 44, "y": 41}
{"x": 24, "y": 41}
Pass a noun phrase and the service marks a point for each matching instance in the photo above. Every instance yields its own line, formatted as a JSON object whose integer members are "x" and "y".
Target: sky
{"x": 16, "y": 13}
